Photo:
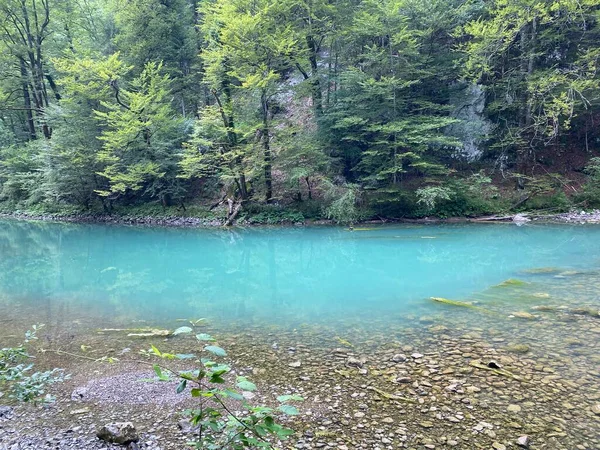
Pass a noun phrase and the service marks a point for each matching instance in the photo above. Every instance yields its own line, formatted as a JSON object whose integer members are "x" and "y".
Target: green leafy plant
{"x": 16, "y": 377}
{"x": 430, "y": 196}
{"x": 217, "y": 425}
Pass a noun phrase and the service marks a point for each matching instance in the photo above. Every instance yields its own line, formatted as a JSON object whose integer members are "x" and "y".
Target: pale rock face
{"x": 468, "y": 101}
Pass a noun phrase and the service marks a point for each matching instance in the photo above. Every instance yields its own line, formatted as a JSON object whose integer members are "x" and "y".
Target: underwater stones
{"x": 355, "y": 362}
{"x": 118, "y": 433}
{"x": 523, "y": 315}
{"x": 416, "y": 355}
{"x": 513, "y": 409}
{"x": 498, "y": 446}
{"x": 596, "y": 409}
{"x": 403, "y": 380}
{"x": 399, "y": 358}
{"x": 518, "y": 348}
{"x": 511, "y": 282}
{"x": 541, "y": 270}
{"x": 523, "y": 441}
{"x": 295, "y": 364}
{"x": 544, "y": 308}
{"x": 586, "y": 311}
{"x": 426, "y": 424}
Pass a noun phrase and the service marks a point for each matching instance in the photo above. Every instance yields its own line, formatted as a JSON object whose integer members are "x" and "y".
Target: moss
{"x": 511, "y": 282}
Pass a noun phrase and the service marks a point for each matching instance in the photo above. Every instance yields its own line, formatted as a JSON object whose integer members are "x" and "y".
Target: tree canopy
{"x": 380, "y": 105}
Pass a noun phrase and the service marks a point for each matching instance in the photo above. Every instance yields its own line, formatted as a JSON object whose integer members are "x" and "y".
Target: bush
{"x": 16, "y": 378}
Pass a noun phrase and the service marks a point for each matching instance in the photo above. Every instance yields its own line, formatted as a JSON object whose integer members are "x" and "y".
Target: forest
{"x": 300, "y": 109}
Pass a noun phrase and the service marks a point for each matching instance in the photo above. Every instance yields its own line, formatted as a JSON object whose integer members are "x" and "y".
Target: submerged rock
{"x": 511, "y": 282}
{"x": 118, "y": 433}
{"x": 354, "y": 362}
{"x": 523, "y": 315}
{"x": 523, "y": 441}
{"x": 518, "y": 348}
{"x": 399, "y": 358}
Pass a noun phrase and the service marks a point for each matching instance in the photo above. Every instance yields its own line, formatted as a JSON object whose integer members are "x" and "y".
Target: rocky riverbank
{"x": 573, "y": 217}
{"x": 466, "y": 379}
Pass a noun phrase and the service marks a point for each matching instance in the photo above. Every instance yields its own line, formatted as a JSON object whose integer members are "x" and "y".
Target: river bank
{"x": 573, "y": 217}
{"x": 437, "y": 383}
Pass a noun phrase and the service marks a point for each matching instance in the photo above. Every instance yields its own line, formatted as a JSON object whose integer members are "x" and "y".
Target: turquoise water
{"x": 272, "y": 275}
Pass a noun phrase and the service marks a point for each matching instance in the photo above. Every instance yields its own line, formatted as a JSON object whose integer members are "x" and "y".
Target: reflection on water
{"x": 274, "y": 275}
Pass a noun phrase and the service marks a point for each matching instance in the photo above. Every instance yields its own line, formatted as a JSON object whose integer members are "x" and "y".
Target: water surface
{"x": 277, "y": 275}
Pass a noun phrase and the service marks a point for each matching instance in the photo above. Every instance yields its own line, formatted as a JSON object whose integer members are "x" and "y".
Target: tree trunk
{"x": 317, "y": 95}
{"x": 27, "y": 102}
{"x": 267, "y": 165}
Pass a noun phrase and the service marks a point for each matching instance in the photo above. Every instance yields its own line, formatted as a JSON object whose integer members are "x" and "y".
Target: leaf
{"x": 196, "y": 392}
{"x": 157, "y": 370}
{"x": 155, "y": 351}
{"x": 232, "y": 394}
{"x": 181, "y": 387}
{"x": 287, "y": 398}
{"x": 289, "y": 410}
{"x": 218, "y": 351}
{"x": 204, "y": 337}
{"x": 182, "y": 330}
{"x": 216, "y": 378}
{"x": 185, "y": 356}
{"x": 245, "y": 385}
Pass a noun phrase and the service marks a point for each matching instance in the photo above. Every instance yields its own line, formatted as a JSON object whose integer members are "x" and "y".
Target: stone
{"x": 187, "y": 427}
{"x": 354, "y": 362}
{"x": 524, "y": 315}
{"x": 523, "y": 441}
{"x": 426, "y": 424}
{"x": 80, "y": 411}
{"x": 80, "y": 394}
{"x": 6, "y": 412}
{"x": 513, "y": 408}
{"x": 118, "y": 433}
{"x": 498, "y": 446}
{"x": 416, "y": 355}
{"x": 518, "y": 348}
{"x": 295, "y": 364}
{"x": 595, "y": 409}
{"x": 399, "y": 357}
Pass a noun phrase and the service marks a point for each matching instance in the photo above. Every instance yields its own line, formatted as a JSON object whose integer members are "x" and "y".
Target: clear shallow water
{"x": 274, "y": 275}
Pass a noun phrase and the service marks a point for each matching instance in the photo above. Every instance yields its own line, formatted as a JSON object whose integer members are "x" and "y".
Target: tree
{"x": 539, "y": 60}
{"x": 142, "y": 138}
{"x": 162, "y": 31}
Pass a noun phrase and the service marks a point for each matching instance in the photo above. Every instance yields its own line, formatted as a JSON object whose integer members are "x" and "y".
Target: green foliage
{"x": 591, "y": 188}
{"x": 344, "y": 207}
{"x": 217, "y": 426}
{"x": 17, "y": 378}
{"x": 271, "y": 215}
{"x": 111, "y": 105}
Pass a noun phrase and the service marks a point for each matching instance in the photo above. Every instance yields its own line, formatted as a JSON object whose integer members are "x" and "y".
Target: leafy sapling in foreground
{"x": 16, "y": 377}
{"x": 217, "y": 425}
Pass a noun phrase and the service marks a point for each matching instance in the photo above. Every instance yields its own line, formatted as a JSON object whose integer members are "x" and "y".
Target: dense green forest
{"x": 343, "y": 109}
